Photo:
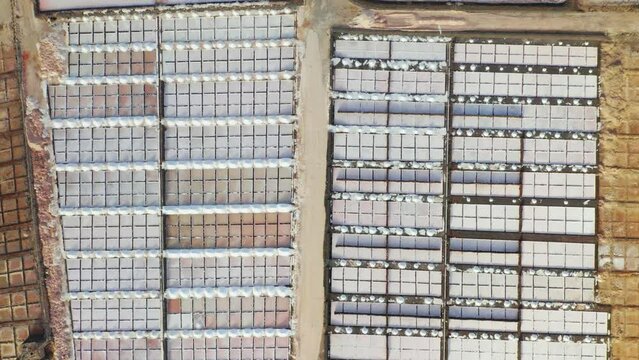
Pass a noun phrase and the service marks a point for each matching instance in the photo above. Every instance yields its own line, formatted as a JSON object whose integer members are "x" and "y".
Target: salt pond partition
{"x": 174, "y": 141}
{"x": 462, "y": 202}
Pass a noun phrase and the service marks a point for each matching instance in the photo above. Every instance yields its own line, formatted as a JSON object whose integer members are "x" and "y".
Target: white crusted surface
{"x": 110, "y": 166}
{"x": 386, "y": 130}
{"x": 399, "y": 38}
{"x": 108, "y": 335}
{"x": 414, "y": 198}
{"x": 352, "y": 95}
{"x": 227, "y": 164}
{"x": 229, "y": 121}
{"x": 120, "y": 210}
{"x": 109, "y": 48}
{"x": 383, "y": 230}
{"x": 181, "y": 210}
{"x": 389, "y": 64}
{"x": 227, "y": 252}
{"x": 112, "y": 254}
{"x": 180, "y": 78}
{"x": 137, "y": 14}
{"x": 228, "y": 44}
{"x": 386, "y": 164}
{"x": 227, "y": 209}
{"x": 104, "y": 295}
{"x": 228, "y": 333}
{"x": 227, "y": 292}
{"x": 532, "y": 167}
{"x": 123, "y": 121}
{"x": 109, "y": 80}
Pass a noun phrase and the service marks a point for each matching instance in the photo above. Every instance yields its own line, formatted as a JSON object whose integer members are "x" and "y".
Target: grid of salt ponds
{"x": 173, "y": 139}
{"x": 463, "y": 200}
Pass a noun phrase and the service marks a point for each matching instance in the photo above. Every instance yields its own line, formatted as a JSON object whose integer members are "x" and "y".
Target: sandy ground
{"x": 317, "y": 19}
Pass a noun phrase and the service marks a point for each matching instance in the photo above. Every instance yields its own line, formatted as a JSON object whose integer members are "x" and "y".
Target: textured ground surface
{"x": 21, "y": 301}
{"x": 619, "y": 208}
{"x": 619, "y": 157}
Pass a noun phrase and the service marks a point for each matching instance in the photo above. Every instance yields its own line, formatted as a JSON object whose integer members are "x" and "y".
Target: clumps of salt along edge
{"x": 382, "y": 64}
{"x": 180, "y": 210}
{"x": 398, "y": 38}
{"x": 228, "y": 292}
{"x": 123, "y": 121}
{"x": 383, "y": 230}
{"x": 354, "y": 95}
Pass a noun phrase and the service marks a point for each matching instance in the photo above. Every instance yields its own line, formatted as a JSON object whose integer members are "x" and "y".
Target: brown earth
{"x": 618, "y": 184}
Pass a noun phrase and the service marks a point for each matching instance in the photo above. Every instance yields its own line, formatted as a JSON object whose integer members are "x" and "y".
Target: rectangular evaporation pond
{"x": 523, "y": 163}
{"x": 242, "y": 117}
{"x": 106, "y": 142}
{"x": 507, "y": 208}
{"x": 177, "y": 223}
{"x": 386, "y": 117}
